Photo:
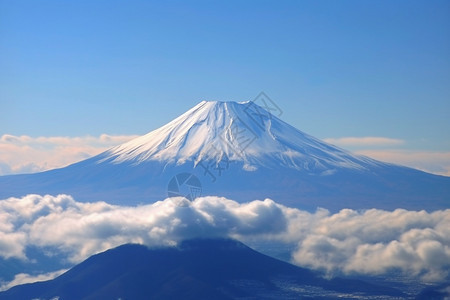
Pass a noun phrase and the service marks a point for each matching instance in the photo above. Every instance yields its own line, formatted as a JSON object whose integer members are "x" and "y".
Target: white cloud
{"x": 376, "y": 241}
{"x": 82, "y": 229}
{"x": 12, "y": 244}
{"x": 25, "y": 154}
{"x": 367, "y": 242}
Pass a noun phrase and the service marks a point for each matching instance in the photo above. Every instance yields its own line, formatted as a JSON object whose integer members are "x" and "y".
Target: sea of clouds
{"x": 351, "y": 242}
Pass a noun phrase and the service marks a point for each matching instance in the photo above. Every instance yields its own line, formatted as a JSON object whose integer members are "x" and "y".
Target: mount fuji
{"x": 239, "y": 151}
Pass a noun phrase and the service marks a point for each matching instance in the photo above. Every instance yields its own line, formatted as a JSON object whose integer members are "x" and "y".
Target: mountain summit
{"x": 243, "y": 152}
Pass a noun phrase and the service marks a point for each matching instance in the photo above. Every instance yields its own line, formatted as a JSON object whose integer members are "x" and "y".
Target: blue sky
{"x": 337, "y": 68}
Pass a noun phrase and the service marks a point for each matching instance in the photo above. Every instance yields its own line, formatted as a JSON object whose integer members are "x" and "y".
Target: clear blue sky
{"x": 336, "y": 68}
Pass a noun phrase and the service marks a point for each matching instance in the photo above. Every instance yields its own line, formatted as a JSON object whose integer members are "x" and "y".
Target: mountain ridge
{"x": 196, "y": 269}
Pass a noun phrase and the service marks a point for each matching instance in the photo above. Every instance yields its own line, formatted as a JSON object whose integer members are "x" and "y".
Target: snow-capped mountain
{"x": 242, "y": 132}
{"x": 240, "y": 151}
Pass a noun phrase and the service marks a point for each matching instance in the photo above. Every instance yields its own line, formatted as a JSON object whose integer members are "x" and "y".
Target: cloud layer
{"x": 25, "y": 154}
{"x": 368, "y": 242}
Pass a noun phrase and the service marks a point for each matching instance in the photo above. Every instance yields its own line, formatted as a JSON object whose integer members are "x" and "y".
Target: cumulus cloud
{"x": 82, "y": 229}
{"x": 377, "y": 241}
{"x": 25, "y": 154}
{"x": 363, "y": 242}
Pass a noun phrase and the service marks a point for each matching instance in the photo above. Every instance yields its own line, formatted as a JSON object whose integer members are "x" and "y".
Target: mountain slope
{"x": 240, "y": 151}
{"x": 197, "y": 269}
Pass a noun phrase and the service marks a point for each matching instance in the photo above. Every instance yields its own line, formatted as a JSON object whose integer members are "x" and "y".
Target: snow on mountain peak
{"x": 236, "y": 131}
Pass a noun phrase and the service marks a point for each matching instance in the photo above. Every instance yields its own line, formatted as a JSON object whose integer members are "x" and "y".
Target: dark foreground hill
{"x": 196, "y": 269}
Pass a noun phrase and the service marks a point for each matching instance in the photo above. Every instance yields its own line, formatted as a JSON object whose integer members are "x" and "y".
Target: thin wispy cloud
{"x": 365, "y": 141}
{"x": 428, "y": 161}
{"x": 416, "y": 243}
{"x": 25, "y": 154}
{"x": 392, "y": 151}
